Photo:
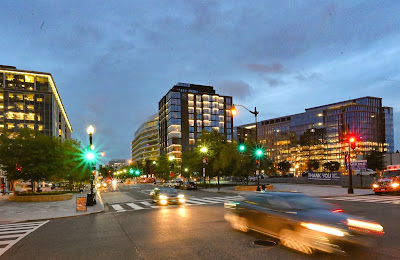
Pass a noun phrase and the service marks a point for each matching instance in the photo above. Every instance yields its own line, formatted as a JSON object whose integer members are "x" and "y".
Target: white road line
{"x": 14, "y": 228}
{"x": 12, "y": 242}
{"x": 206, "y": 201}
{"x": 134, "y": 206}
{"x": 118, "y": 207}
{"x": 366, "y": 199}
{"x": 22, "y": 224}
{"x": 194, "y": 202}
{"x": 146, "y": 203}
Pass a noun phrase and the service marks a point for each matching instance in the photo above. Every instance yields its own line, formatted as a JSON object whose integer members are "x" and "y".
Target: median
{"x": 41, "y": 197}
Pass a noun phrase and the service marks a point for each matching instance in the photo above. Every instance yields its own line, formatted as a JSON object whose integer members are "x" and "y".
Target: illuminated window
{"x": 10, "y": 126}
{"x": 198, "y": 110}
{"x": 191, "y": 110}
{"x": 207, "y": 123}
{"x": 1, "y": 126}
{"x": 40, "y": 127}
{"x": 30, "y": 107}
{"x": 19, "y": 116}
{"x": 30, "y": 116}
{"x": 1, "y": 106}
{"x": 20, "y": 126}
{"x": 29, "y": 97}
{"x": 191, "y": 122}
{"x": 191, "y": 141}
{"x": 39, "y": 118}
{"x": 39, "y": 99}
{"x": 206, "y": 97}
{"x": 1, "y": 96}
{"x": 10, "y": 115}
{"x": 221, "y": 106}
{"x": 190, "y": 97}
{"x": 206, "y": 111}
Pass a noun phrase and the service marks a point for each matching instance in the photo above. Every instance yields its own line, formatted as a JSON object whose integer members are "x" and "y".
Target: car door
{"x": 272, "y": 214}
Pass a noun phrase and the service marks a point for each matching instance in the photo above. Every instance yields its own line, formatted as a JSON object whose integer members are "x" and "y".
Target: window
{"x": 191, "y": 122}
{"x": 191, "y": 110}
{"x": 198, "y": 98}
{"x": 198, "y": 122}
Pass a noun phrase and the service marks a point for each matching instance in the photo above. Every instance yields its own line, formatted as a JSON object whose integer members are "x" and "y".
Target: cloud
{"x": 238, "y": 89}
{"x": 273, "y": 68}
{"x": 274, "y": 82}
{"x": 307, "y": 77}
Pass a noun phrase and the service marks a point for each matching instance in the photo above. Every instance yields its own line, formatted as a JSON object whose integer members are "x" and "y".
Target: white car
{"x": 169, "y": 184}
{"x": 367, "y": 172}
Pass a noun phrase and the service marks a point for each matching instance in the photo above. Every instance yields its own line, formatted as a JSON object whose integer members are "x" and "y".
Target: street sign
{"x": 81, "y": 204}
{"x": 358, "y": 165}
{"x": 330, "y": 176}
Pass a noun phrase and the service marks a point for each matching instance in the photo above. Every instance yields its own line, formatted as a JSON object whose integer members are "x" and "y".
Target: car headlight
{"x": 395, "y": 185}
{"x": 163, "y": 197}
{"x": 181, "y": 196}
{"x": 104, "y": 184}
{"x": 365, "y": 225}
{"x": 98, "y": 185}
{"x": 375, "y": 185}
{"x": 323, "y": 229}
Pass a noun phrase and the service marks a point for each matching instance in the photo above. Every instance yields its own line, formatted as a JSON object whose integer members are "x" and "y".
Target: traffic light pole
{"x": 350, "y": 190}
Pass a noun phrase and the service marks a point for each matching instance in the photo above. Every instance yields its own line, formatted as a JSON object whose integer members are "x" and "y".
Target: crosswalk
{"x": 10, "y": 234}
{"x": 190, "y": 201}
{"x": 369, "y": 199}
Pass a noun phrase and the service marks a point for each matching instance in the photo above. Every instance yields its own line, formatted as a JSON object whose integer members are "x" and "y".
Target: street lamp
{"x": 91, "y": 199}
{"x": 255, "y": 113}
{"x": 204, "y": 150}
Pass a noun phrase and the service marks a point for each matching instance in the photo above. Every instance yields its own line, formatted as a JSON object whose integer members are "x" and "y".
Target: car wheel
{"x": 240, "y": 224}
{"x": 292, "y": 240}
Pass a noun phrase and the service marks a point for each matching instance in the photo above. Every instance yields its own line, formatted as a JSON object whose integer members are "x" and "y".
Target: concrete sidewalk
{"x": 309, "y": 189}
{"x": 11, "y": 211}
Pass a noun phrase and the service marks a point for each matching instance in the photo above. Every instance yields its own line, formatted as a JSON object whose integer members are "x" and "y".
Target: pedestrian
{"x": 263, "y": 187}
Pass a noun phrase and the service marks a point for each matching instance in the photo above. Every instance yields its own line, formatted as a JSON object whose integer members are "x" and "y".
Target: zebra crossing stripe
{"x": 206, "y": 201}
{"x": 134, "y": 206}
{"x": 146, "y": 203}
{"x": 118, "y": 207}
{"x": 10, "y": 232}
{"x": 375, "y": 199}
{"x": 194, "y": 202}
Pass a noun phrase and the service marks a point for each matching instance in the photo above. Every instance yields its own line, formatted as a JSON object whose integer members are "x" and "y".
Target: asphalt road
{"x": 179, "y": 232}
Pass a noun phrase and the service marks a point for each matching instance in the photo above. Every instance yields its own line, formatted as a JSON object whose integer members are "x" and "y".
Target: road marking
{"x": 134, "y": 206}
{"x": 9, "y": 231}
{"x": 118, "y": 208}
{"x": 195, "y": 202}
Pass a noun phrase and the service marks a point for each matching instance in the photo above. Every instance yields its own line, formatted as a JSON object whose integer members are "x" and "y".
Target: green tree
{"x": 375, "y": 160}
{"x": 284, "y": 167}
{"x": 162, "y": 167}
{"x": 312, "y": 165}
{"x": 331, "y": 166}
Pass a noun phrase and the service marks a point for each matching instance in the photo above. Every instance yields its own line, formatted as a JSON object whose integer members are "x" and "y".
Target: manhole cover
{"x": 265, "y": 243}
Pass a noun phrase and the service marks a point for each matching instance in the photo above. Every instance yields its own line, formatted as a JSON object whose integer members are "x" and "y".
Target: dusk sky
{"x": 113, "y": 62}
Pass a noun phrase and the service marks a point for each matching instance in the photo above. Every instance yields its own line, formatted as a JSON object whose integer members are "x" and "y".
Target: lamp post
{"x": 255, "y": 113}
{"x": 204, "y": 150}
{"x": 91, "y": 199}
{"x": 352, "y": 141}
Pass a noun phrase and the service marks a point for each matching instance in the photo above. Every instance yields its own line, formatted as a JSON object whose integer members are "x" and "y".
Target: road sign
{"x": 358, "y": 165}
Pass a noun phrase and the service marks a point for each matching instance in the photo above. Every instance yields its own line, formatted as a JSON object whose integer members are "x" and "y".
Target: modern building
{"x": 145, "y": 146}
{"x": 117, "y": 163}
{"x": 322, "y": 132}
{"x": 30, "y": 99}
{"x": 188, "y": 109}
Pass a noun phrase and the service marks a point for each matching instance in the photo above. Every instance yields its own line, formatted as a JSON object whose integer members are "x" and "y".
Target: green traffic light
{"x": 89, "y": 156}
{"x": 259, "y": 152}
{"x": 131, "y": 171}
{"x": 242, "y": 147}
{"x": 137, "y": 172}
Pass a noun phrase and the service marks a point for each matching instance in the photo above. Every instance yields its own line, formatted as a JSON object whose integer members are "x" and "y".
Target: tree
{"x": 284, "y": 167}
{"x": 312, "y": 165}
{"x": 331, "y": 166}
{"x": 162, "y": 167}
{"x": 32, "y": 156}
{"x": 375, "y": 160}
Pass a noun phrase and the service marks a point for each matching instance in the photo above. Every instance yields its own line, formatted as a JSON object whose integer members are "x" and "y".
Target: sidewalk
{"x": 309, "y": 189}
{"x": 26, "y": 211}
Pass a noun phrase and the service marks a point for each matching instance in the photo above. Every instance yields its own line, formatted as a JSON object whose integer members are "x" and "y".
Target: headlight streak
{"x": 323, "y": 229}
{"x": 365, "y": 225}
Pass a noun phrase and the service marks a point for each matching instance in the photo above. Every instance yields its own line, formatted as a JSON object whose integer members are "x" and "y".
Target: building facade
{"x": 30, "y": 99}
{"x": 188, "y": 109}
{"x": 117, "y": 163}
{"x": 321, "y": 133}
{"x": 145, "y": 146}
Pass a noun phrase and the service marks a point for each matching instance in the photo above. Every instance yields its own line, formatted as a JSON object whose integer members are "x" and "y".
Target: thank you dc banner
{"x": 329, "y": 176}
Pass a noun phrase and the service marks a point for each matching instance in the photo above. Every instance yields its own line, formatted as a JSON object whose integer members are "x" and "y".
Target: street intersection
{"x": 133, "y": 228}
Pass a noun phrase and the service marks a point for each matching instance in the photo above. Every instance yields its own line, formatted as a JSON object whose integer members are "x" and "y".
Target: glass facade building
{"x": 188, "y": 109}
{"x": 321, "y": 133}
{"x": 30, "y": 99}
{"x": 145, "y": 144}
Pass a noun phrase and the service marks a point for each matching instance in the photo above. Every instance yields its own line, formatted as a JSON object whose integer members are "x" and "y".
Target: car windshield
{"x": 167, "y": 190}
{"x": 388, "y": 174}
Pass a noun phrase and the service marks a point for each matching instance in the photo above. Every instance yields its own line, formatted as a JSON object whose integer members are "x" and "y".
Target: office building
{"x": 30, "y": 99}
{"x": 322, "y": 132}
{"x": 145, "y": 144}
{"x": 117, "y": 163}
{"x": 188, "y": 109}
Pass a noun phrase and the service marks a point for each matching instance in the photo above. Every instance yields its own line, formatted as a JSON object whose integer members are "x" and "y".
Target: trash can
{"x": 91, "y": 199}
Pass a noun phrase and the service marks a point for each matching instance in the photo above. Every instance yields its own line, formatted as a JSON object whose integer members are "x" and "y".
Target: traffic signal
{"x": 89, "y": 155}
{"x": 242, "y": 147}
{"x": 233, "y": 110}
{"x": 137, "y": 172}
{"x": 352, "y": 141}
{"x": 259, "y": 152}
{"x": 131, "y": 171}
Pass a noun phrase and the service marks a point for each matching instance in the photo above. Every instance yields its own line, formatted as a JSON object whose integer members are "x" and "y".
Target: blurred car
{"x": 189, "y": 185}
{"x": 237, "y": 179}
{"x": 252, "y": 178}
{"x": 300, "y": 222}
{"x": 178, "y": 183}
{"x": 168, "y": 184}
{"x": 388, "y": 183}
{"x": 367, "y": 172}
{"x": 166, "y": 195}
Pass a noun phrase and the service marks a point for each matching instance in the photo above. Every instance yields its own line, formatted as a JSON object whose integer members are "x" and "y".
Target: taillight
{"x": 337, "y": 211}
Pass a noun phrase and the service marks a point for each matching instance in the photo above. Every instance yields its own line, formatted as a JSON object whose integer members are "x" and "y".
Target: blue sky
{"x": 112, "y": 62}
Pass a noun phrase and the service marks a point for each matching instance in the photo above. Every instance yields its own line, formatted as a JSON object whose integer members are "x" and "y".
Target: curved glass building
{"x": 145, "y": 144}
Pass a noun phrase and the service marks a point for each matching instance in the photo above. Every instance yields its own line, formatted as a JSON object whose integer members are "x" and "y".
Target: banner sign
{"x": 328, "y": 176}
{"x": 81, "y": 204}
{"x": 357, "y": 165}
